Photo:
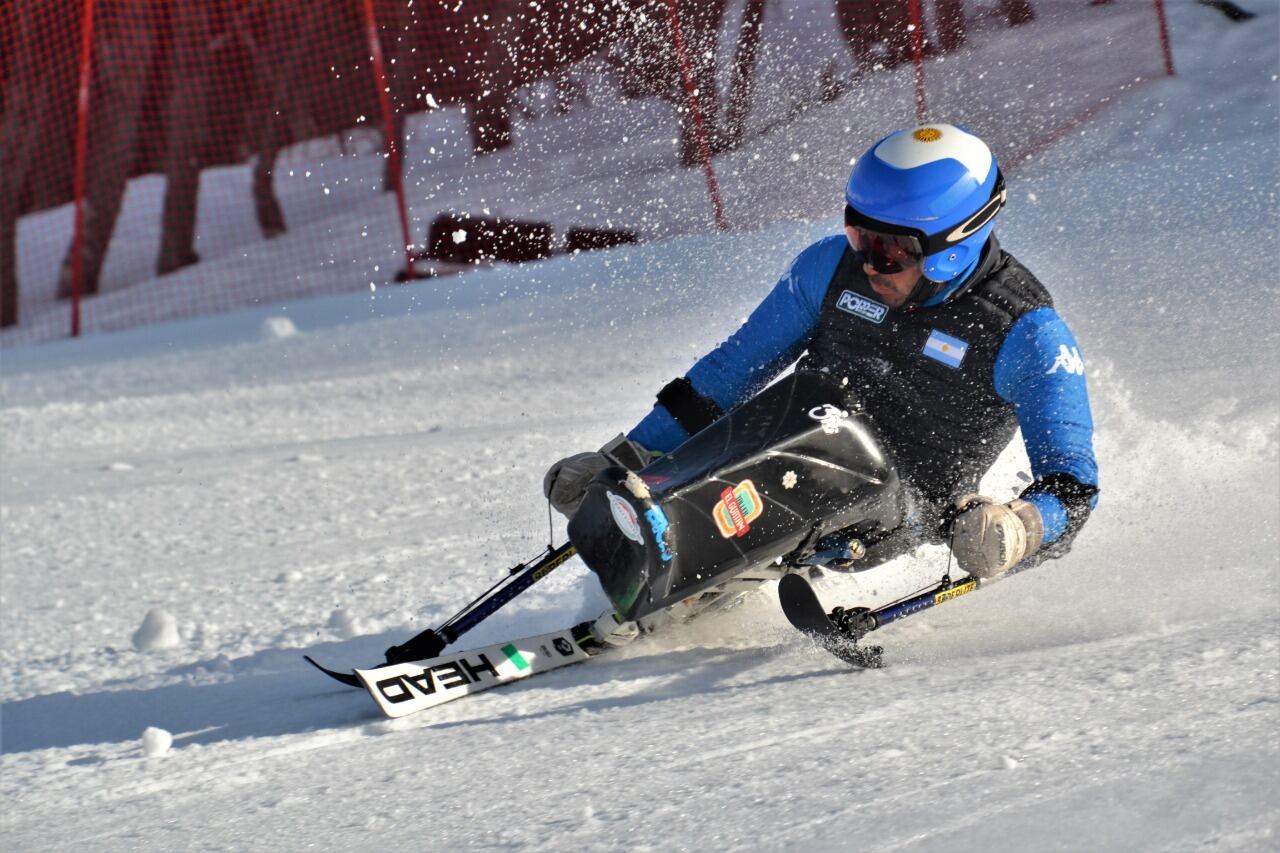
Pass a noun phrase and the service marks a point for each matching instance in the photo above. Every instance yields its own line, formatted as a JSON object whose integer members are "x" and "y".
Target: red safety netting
{"x": 161, "y": 159}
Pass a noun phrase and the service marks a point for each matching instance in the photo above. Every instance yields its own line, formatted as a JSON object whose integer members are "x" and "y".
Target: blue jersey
{"x": 1038, "y": 371}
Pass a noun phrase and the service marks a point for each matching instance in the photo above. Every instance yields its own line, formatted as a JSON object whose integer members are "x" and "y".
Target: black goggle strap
{"x": 931, "y": 244}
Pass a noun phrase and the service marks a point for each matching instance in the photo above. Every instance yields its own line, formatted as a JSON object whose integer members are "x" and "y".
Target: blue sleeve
{"x": 1040, "y": 371}
{"x": 773, "y": 336}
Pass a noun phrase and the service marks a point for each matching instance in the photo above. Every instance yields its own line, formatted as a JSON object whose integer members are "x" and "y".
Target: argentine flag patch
{"x": 944, "y": 348}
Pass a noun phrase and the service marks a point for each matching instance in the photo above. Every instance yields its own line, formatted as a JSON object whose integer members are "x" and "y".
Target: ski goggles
{"x": 893, "y": 248}
{"x": 885, "y": 253}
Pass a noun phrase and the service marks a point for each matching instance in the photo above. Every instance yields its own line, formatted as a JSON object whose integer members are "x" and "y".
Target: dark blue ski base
{"x": 804, "y": 610}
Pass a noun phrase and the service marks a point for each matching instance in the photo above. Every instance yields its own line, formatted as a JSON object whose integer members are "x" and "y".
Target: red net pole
{"x": 917, "y": 55}
{"x": 1164, "y": 38}
{"x": 704, "y": 149}
{"x": 82, "y": 147}
{"x": 389, "y": 130}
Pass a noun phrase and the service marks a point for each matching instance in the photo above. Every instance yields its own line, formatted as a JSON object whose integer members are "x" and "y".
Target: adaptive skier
{"x": 942, "y": 339}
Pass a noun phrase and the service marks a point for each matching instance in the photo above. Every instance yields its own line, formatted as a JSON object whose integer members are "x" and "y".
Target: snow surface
{"x": 332, "y": 483}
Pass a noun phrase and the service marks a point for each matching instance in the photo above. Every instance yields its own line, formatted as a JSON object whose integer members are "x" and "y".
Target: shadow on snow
{"x": 275, "y": 692}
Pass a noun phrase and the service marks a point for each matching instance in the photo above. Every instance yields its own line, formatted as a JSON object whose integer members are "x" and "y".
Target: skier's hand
{"x": 566, "y": 481}
{"x": 988, "y": 538}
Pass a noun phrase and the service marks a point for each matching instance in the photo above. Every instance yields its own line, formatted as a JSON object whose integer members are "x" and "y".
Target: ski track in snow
{"x": 1056, "y": 729}
{"x": 334, "y": 491}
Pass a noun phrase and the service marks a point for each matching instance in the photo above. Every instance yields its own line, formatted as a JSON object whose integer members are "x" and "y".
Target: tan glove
{"x": 988, "y": 538}
{"x": 566, "y": 482}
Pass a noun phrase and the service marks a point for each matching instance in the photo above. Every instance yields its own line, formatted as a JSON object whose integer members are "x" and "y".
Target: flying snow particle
{"x": 276, "y": 328}
{"x": 432, "y": 102}
{"x": 159, "y": 630}
{"x": 460, "y": 236}
{"x": 155, "y": 742}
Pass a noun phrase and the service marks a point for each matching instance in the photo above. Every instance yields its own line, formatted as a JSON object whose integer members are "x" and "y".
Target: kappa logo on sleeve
{"x": 1069, "y": 360}
{"x": 861, "y": 306}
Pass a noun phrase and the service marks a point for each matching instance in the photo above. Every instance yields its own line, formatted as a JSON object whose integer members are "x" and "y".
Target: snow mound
{"x": 341, "y": 623}
{"x": 159, "y": 630}
{"x": 278, "y": 328}
{"x": 155, "y": 742}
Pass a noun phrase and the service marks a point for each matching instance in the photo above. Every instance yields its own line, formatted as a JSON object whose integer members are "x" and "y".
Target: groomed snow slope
{"x": 335, "y": 490}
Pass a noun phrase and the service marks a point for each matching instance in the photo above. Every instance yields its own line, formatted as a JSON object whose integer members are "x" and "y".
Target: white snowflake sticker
{"x": 789, "y": 480}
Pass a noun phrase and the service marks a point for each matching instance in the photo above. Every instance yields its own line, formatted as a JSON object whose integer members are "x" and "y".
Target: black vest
{"x": 945, "y": 425}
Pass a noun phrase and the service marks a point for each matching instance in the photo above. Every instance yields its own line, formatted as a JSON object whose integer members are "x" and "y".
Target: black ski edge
{"x": 347, "y": 678}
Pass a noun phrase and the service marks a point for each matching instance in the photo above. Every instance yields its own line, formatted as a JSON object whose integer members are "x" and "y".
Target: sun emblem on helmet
{"x": 927, "y": 134}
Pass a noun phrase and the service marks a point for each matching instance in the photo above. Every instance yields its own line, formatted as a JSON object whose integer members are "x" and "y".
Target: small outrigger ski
{"x": 838, "y": 632}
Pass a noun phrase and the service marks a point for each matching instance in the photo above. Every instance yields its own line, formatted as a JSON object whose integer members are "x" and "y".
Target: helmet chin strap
{"x": 924, "y": 290}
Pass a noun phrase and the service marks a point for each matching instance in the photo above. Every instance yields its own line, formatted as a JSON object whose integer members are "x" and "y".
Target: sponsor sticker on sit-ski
{"x": 737, "y": 508}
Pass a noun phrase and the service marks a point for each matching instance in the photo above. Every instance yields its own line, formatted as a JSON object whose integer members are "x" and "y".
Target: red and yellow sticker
{"x": 737, "y": 508}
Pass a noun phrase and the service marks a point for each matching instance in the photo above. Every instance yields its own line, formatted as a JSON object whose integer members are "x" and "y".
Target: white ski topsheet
{"x": 406, "y": 688}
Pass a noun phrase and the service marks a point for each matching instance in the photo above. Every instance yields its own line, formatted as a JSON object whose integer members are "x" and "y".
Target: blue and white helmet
{"x": 936, "y": 183}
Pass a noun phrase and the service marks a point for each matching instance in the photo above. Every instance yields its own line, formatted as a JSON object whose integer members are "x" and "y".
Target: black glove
{"x": 566, "y": 481}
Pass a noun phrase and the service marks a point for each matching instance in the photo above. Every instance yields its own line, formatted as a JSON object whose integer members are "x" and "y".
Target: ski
{"x": 347, "y": 678}
{"x": 804, "y": 611}
{"x": 840, "y": 631}
{"x": 401, "y": 689}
